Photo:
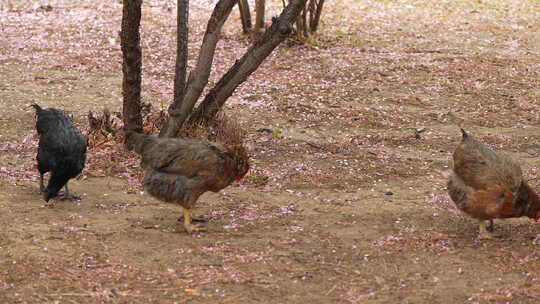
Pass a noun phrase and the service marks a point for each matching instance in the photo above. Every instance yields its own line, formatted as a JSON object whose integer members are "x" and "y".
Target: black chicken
{"x": 61, "y": 151}
{"x": 181, "y": 170}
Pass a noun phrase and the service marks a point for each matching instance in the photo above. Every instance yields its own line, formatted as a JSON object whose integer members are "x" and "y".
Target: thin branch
{"x": 182, "y": 50}
{"x": 315, "y": 22}
{"x": 198, "y": 78}
{"x": 311, "y": 5}
{"x": 245, "y": 15}
{"x": 260, "y": 7}
{"x": 245, "y": 66}
{"x": 304, "y": 22}
{"x": 182, "y": 21}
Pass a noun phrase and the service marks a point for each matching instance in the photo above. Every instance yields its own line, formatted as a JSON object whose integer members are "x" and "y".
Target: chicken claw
{"x": 194, "y": 219}
{"x": 190, "y": 228}
{"x": 193, "y": 228}
{"x": 486, "y": 232}
{"x": 491, "y": 226}
{"x": 41, "y": 185}
{"x": 69, "y": 196}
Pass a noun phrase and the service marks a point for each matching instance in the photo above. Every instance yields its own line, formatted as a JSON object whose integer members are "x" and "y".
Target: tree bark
{"x": 131, "y": 65}
{"x": 260, "y": 6}
{"x": 301, "y": 30}
{"x": 316, "y": 16}
{"x": 311, "y": 9}
{"x": 198, "y": 78}
{"x": 245, "y": 66}
{"x": 245, "y": 15}
{"x": 182, "y": 21}
{"x": 304, "y": 22}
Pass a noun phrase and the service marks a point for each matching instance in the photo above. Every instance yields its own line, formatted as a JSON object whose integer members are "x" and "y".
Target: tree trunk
{"x": 304, "y": 22}
{"x": 259, "y": 18}
{"x": 198, "y": 78}
{"x": 131, "y": 65}
{"x": 245, "y": 66}
{"x": 312, "y": 8}
{"x": 315, "y": 16}
{"x": 301, "y": 30}
{"x": 245, "y": 15}
{"x": 182, "y": 21}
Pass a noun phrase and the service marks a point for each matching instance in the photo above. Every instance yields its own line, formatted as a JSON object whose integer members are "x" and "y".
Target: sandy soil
{"x": 343, "y": 203}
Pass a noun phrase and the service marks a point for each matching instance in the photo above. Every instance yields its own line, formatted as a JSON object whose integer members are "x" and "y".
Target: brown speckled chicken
{"x": 181, "y": 170}
{"x": 487, "y": 185}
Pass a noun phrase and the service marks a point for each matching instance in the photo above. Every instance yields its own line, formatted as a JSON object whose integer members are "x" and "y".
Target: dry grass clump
{"x": 221, "y": 130}
{"x": 105, "y": 126}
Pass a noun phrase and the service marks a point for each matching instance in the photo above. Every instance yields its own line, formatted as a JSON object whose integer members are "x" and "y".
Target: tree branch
{"x": 315, "y": 21}
{"x": 245, "y": 66}
{"x": 198, "y": 78}
{"x": 245, "y": 15}
{"x": 182, "y": 21}
{"x": 260, "y": 7}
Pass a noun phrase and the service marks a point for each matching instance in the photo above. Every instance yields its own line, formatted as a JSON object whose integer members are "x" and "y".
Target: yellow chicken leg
{"x": 190, "y": 228}
{"x": 491, "y": 226}
{"x": 484, "y": 233}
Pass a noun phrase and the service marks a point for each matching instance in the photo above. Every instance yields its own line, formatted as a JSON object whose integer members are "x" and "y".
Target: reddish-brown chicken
{"x": 181, "y": 170}
{"x": 487, "y": 185}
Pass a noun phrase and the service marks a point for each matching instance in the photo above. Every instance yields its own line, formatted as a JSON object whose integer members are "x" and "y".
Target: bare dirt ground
{"x": 343, "y": 204}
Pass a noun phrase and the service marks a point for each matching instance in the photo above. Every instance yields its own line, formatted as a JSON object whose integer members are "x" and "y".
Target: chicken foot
{"x": 41, "y": 185}
{"x": 67, "y": 196}
{"x": 486, "y": 232}
{"x": 491, "y": 226}
{"x": 190, "y": 228}
{"x": 194, "y": 219}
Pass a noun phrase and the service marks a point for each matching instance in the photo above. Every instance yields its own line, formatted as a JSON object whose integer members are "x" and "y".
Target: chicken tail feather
{"x": 37, "y": 108}
{"x": 464, "y": 133}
